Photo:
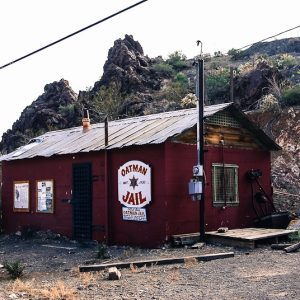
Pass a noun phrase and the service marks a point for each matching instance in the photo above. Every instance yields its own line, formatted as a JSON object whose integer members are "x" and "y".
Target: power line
{"x": 72, "y": 34}
{"x": 269, "y": 37}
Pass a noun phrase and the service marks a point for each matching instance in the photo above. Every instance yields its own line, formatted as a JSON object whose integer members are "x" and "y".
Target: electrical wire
{"x": 72, "y": 34}
{"x": 269, "y": 37}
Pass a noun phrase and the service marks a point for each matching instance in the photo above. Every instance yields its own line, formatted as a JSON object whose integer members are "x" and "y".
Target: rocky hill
{"x": 56, "y": 108}
{"x": 289, "y": 45}
{"x": 134, "y": 84}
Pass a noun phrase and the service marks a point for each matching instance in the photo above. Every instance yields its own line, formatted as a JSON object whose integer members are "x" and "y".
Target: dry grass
{"x": 87, "y": 278}
{"x": 59, "y": 291}
{"x": 135, "y": 269}
{"x": 190, "y": 262}
{"x": 174, "y": 275}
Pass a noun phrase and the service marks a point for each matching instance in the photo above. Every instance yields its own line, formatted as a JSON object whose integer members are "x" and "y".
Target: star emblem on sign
{"x": 133, "y": 182}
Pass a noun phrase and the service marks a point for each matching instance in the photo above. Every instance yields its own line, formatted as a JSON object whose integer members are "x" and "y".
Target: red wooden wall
{"x": 171, "y": 210}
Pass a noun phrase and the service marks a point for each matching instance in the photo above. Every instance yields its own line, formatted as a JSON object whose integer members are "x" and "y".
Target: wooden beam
{"x": 279, "y": 246}
{"x": 292, "y": 248}
{"x": 159, "y": 261}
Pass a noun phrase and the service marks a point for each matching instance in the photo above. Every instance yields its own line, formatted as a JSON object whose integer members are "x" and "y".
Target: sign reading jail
{"x": 134, "y": 187}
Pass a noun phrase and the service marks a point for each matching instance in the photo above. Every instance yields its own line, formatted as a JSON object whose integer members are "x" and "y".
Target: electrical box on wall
{"x": 198, "y": 170}
{"x": 195, "y": 187}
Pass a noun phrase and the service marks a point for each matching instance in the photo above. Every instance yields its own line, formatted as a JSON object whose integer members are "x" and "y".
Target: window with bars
{"x": 225, "y": 184}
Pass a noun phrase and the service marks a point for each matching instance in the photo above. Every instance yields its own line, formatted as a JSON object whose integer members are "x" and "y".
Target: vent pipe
{"x": 86, "y": 125}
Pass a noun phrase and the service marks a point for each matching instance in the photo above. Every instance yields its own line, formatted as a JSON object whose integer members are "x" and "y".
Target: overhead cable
{"x": 72, "y": 34}
{"x": 269, "y": 37}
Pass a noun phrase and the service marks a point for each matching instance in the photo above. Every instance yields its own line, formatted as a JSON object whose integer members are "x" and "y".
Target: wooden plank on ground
{"x": 292, "y": 248}
{"x": 251, "y": 233}
{"x": 159, "y": 261}
{"x": 279, "y": 246}
{"x": 59, "y": 247}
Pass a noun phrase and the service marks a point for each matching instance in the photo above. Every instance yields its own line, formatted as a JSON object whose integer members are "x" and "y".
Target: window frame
{"x": 215, "y": 201}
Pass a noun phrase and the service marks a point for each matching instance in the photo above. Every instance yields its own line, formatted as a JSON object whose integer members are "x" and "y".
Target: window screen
{"x": 225, "y": 184}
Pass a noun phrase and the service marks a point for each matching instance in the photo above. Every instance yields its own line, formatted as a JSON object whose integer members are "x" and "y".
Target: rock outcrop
{"x": 128, "y": 68}
{"x": 250, "y": 86}
{"x": 284, "y": 127}
{"x": 56, "y": 108}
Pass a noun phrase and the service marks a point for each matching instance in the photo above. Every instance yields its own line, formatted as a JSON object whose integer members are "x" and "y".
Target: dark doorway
{"x": 82, "y": 201}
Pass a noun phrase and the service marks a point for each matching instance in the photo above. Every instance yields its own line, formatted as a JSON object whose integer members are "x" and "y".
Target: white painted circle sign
{"x": 134, "y": 184}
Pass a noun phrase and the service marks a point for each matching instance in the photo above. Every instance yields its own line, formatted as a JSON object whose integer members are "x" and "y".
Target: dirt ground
{"x": 51, "y": 272}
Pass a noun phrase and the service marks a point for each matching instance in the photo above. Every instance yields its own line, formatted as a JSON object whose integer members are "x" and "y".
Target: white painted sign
{"x": 134, "y": 214}
{"x": 21, "y": 196}
{"x": 134, "y": 184}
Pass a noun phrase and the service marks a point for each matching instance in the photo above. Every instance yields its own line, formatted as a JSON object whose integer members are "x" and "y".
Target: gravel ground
{"x": 52, "y": 272}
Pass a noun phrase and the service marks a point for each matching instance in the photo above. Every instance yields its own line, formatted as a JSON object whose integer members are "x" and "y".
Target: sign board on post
{"x": 134, "y": 189}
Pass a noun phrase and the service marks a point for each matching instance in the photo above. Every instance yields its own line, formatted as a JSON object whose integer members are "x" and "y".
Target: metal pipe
{"x": 106, "y": 181}
{"x": 200, "y": 136}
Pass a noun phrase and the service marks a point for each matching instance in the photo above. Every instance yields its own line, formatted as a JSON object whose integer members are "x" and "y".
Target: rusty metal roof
{"x": 150, "y": 129}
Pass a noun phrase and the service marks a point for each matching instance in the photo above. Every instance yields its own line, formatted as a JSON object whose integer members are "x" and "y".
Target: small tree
{"x": 291, "y": 96}
{"x": 177, "y": 60}
{"x": 234, "y": 53}
{"x": 14, "y": 269}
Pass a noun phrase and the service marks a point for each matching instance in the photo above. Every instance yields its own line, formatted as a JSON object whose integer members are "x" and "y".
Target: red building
{"x": 127, "y": 182}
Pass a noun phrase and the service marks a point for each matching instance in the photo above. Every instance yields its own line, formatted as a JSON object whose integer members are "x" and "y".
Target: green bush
{"x": 217, "y": 85}
{"x": 67, "y": 111}
{"x": 177, "y": 60}
{"x": 285, "y": 61}
{"x": 234, "y": 53}
{"x": 102, "y": 251}
{"x": 15, "y": 269}
{"x": 291, "y": 96}
{"x": 164, "y": 69}
{"x": 182, "y": 80}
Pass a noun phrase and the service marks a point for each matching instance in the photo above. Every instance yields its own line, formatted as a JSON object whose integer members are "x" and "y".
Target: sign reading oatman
{"x": 134, "y": 189}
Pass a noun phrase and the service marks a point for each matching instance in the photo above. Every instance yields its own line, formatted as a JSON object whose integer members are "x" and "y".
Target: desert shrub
{"x": 189, "y": 101}
{"x": 68, "y": 110}
{"x": 218, "y": 54}
{"x": 177, "y": 60}
{"x": 106, "y": 102}
{"x": 182, "y": 80}
{"x": 234, "y": 53}
{"x": 217, "y": 85}
{"x": 164, "y": 69}
{"x": 285, "y": 60}
{"x": 291, "y": 96}
{"x": 58, "y": 290}
{"x": 102, "y": 251}
{"x": 252, "y": 65}
{"x": 15, "y": 269}
{"x": 269, "y": 103}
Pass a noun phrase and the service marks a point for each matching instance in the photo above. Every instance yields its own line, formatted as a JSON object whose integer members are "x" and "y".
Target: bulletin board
{"x": 21, "y": 196}
{"x": 45, "y": 196}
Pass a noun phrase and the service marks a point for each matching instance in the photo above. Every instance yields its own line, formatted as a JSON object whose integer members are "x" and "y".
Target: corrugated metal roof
{"x": 150, "y": 129}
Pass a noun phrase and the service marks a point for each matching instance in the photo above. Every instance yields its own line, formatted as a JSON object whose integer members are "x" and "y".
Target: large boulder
{"x": 250, "y": 86}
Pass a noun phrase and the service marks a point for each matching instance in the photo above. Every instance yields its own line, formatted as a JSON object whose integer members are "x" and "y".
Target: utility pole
{"x": 200, "y": 136}
{"x": 231, "y": 84}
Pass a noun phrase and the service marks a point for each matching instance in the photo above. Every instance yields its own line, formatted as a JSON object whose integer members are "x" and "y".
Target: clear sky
{"x": 161, "y": 26}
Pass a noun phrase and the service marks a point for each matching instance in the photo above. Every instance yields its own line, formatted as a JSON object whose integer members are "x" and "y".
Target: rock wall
{"x": 284, "y": 127}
